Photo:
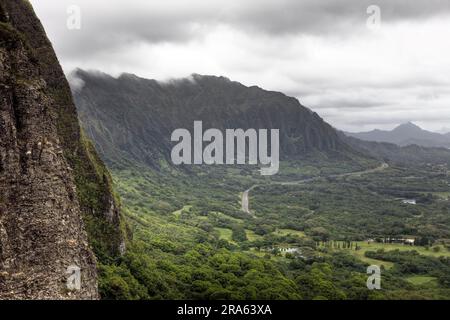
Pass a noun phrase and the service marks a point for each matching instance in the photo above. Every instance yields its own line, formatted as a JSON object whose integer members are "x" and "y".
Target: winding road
{"x": 245, "y": 194}
{"x": 244, "y": 201}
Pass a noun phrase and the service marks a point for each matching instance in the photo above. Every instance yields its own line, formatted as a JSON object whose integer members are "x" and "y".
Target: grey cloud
{"x": 319, "y": 70}
{"x": 75, "y": 82}
{"x": 346, "y": 104}
{"x": 114, "y": 24}
{"x": 330, "y": 16}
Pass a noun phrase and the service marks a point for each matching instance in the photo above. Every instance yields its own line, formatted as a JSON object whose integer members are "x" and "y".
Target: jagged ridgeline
{"x": 131, "y": 119}
{"x": 56, "y": 200}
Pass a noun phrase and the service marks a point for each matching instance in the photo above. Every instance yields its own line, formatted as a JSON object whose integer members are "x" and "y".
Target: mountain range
{"x": 130, "y": 119}
{"x": 133, "y": 118}
{"x": 405, "y": 135}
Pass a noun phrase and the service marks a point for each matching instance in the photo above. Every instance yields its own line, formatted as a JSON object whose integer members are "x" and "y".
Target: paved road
{"x": 245, "y": 194}
{"x": 245, "y": 200}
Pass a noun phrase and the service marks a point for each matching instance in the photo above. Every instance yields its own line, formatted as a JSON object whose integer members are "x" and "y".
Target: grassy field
{"x": 225, "y": 234}
{"x": 179, "y": 212}
{"x": 251, "y": 236}
{"x": 286, "y": 232}
{"x": 264, "y": 254}
{"x": 421, "y": 280}
{"x": 233, "y": 219}
{"x": 388, "y": 247}
{"x": 364, "y": 247}
{"x": 360, "y": 254}
{"x": 442, "y": 195}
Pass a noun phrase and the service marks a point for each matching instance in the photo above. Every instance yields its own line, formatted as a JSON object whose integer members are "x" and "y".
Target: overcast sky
{"x": 320, "y": 51}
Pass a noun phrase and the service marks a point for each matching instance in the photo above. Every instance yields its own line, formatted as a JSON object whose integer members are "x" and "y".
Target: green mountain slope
{"x": 411, "y": 155}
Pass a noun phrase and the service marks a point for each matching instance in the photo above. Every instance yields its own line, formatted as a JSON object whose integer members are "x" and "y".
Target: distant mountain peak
{"x": 406, "y": 134}
{"x": 409, "y": 126}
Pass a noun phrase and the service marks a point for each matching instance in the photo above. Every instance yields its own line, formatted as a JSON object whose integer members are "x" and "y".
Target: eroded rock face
{"x": 42, "y": 234}
{"x": 131, "y": 118}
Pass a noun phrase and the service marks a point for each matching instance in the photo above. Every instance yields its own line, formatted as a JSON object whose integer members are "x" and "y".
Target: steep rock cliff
{"x": 50, "y": 175}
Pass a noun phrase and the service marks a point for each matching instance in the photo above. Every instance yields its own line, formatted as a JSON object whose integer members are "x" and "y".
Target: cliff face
{"x": 133, "y": 118}
{"x": 50, "y": 176}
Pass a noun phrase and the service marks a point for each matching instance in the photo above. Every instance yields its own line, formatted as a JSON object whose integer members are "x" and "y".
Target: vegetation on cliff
{"x": 53, "y": 186}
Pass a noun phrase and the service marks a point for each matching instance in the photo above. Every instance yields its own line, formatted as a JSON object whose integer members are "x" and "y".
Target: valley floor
{"x": 195, "y": 239}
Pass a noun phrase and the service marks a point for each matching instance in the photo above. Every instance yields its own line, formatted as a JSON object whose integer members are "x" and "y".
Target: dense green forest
{"x": 310, "y": 240}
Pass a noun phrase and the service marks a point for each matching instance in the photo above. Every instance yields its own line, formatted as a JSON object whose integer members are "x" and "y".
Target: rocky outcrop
{"x": 50, "y": 176}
